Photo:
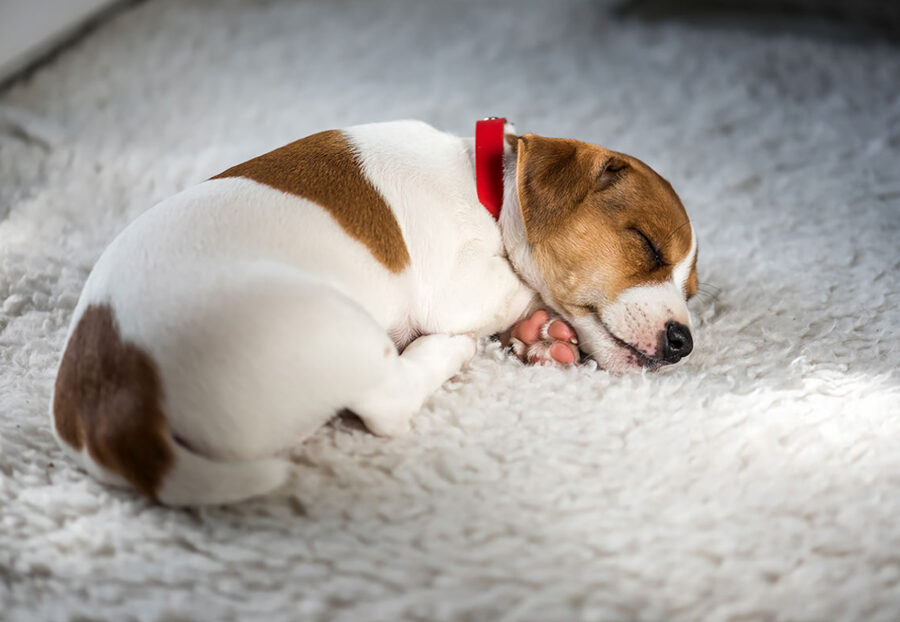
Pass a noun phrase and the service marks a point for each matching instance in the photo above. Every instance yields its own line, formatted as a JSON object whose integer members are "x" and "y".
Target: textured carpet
{"x": 759, "y": 481}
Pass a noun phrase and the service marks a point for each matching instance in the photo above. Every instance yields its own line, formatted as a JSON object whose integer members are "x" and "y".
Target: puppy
{"x": 354, "y": 270}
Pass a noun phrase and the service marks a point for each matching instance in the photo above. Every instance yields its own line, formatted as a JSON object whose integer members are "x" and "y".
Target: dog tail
{"x": 107, "y": 414}
{"x": 198, "y": 480}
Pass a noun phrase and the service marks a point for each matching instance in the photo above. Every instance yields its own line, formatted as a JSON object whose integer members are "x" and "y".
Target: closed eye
{"x": 652, "y": 249}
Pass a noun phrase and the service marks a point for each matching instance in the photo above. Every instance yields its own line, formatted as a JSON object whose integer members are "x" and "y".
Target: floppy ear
{"x": 610, "y": 172}
{"x": 554, "y": 175}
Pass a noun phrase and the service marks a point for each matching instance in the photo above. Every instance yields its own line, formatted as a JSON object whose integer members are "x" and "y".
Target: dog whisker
{"x": 709, "y": 288}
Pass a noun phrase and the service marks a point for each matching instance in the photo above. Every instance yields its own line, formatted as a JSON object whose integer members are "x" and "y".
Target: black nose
{"x": 677, "y": 342}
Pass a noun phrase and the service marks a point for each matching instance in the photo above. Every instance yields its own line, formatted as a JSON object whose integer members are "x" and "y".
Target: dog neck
{"x": 512, "y": 229}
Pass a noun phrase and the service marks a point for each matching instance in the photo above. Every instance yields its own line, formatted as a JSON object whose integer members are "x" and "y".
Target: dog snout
{"x": 676, "y": 342}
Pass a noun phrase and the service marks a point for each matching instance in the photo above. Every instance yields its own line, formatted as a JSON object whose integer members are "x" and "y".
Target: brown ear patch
{"x": 324, "y": 169}
{"x": 553, "y": 178}
{"x": 108, "y": 398}
{"x": 610, "y": 173}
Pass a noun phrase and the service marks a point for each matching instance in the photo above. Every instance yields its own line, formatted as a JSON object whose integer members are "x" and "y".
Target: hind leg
{"x": 424, "y": 366}
{"x": 257, "y": 360}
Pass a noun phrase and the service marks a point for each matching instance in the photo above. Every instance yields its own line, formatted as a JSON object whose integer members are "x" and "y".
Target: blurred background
{"x": 746, "y": 106}
{"x": 33, "y": 28}
{"x": 659, "y": 78}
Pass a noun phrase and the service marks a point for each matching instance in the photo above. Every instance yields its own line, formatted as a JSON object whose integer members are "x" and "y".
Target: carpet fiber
{"x": 758, "y": 481}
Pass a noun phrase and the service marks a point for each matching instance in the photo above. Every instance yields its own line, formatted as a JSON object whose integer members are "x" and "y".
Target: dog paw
{"x": 466, "y": 347}
{"x": 453, "y": 350}
{"x": 390, "y": 426}
{"x": 543, "y": 339}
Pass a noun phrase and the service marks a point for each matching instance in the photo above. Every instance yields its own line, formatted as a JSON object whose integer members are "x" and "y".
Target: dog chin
{"x": 613, "y": 354}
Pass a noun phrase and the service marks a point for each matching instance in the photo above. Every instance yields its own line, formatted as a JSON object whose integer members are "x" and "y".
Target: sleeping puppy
{"x": 355, "y": 269}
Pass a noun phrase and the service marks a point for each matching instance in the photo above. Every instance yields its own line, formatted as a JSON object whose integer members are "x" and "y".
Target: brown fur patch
{"x": 108, "y": 397}
{"x": 583, "y": 207}
{"x": 324, "y": 169}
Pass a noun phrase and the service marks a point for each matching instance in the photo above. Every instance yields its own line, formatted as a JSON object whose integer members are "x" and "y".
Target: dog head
{"x": 610, "y": 247}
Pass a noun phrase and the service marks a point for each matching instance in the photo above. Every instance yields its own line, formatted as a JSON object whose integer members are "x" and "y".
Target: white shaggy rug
{"x": 759, "y": 481}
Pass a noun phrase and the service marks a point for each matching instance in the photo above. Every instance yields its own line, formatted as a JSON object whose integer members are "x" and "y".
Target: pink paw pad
{"x": 542, "y": 339}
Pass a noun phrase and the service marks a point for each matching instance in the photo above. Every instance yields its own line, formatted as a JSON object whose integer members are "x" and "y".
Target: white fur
{"x": 682, "y": 270}
{"x": 639, "y": 314}
{"x": 513, "y": 230}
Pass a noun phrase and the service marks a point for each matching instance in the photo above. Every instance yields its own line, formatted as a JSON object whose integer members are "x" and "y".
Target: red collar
{"x": 489, "y": 163}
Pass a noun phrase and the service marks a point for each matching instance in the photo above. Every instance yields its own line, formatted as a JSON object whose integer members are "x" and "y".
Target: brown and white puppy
{"x": 607, "y": 243}
{"x": 352, "y": 270}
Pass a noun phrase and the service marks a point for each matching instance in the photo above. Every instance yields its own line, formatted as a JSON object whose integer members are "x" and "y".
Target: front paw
{"x": 396, "y": 425}
{"x": 450, "y": 352}
{"x": 542, "y": 339}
